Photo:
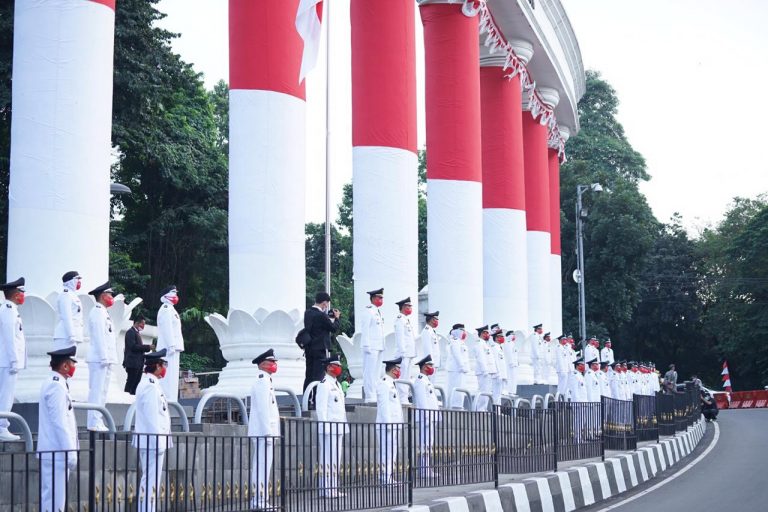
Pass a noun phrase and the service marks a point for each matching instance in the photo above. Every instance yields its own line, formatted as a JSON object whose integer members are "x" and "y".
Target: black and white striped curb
{"x": 575, "y": 487}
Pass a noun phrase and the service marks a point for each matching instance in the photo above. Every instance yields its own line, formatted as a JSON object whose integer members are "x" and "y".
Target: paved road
{"x": 732, "y": 476}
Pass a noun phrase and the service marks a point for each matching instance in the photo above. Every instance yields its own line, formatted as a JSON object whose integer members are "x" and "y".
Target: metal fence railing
{"x": 452, "y": 447}
{"x": 618, "y": 425}
{"x": 526, "y": 440}
{"x": 578, "y": 430}
{"x": 665, "y": 413}
{"x": 646, "y": 420}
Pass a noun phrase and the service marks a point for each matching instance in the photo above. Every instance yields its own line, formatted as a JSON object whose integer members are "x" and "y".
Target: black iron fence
{"x": 645, "y": 415}
{"x": 326, "y": 466}
{"x": 618, "y": 425}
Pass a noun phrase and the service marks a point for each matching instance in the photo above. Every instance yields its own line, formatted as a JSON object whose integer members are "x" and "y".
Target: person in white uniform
{"x": 591, "y": 351}
{"x": 482, "y": 369}
{"x": 577, "y": 389}
{"x": 606, "y": 354}
{"x": 497, "y": 354}
{"x": 430, "y": 340}
{"x": 152, "y": 431}
{"x": 592, "y": 381}
{"x": 457, "y": 365}
{"x": 562, "y": 364}
{"x": 388, "y": 410}
{"x": 372, "y": 343}
{"x": 13, "y": 350}
{"x": 512, "y": 360}
{"x": 405, "y": 341}
{"x": 102, "y": 354}
{"x": 169, "y": 338}
{"x": 264, "y": 426}
{"x": 427, "y": 413}
{"x": 331, "y": 412}
{"x": 57, "y": 443}
{"x": 69, "y": 327}
{"x": 534, "y": 344}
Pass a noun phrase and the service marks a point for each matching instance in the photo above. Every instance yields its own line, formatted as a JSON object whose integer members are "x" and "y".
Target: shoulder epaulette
{"x": 323, "y": 380}
{"x": 261, "y": 375}
{"x": 369, "y": 306}
{"x": 151, "y": 381}
{"x": 56, "y": 378}
{"x": 8, "y": 306}
{"x": 419, "y": 376}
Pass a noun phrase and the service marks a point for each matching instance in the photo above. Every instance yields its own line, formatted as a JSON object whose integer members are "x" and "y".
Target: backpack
{"x": 303, "y": 339}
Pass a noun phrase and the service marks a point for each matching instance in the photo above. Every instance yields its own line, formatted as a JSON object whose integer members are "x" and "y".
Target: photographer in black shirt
{"x": 320, "y": 321}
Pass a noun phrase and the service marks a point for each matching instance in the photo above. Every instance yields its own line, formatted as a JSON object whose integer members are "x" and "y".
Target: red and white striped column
{"x": 58, "y": 209}
{"x": 555, "y": 276}
{"x": 454, "y": 172}
{"x": 266, "y": 157}
{"x": 385, "y": 164}
{"x": 537, "y": 200}
{"x": 505, "y": 258}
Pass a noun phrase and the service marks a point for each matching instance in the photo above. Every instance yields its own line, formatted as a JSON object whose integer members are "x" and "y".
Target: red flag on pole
{"x": 308, "y": 25}
{"x": 726, "y": 377}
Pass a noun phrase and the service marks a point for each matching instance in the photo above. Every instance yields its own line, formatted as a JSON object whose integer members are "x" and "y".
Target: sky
{"x": 688, "y": 75}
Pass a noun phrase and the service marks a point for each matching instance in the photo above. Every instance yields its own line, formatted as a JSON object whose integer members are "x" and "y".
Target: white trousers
{"x": 497, "y": 385}
{"x": 512, "y": 379}
{"x": 170, "y": 383}
{"x": 389, "y": 442}
{"x": 331, "y": 447}
{"x": 54, "y": 475}
{"x": 405, "y": 374}
{"x": 98, "y": 385}
{"x": 562, "y": 384}
{"x": 536, "y": 363}
{"x": 261, "y": 470}
{"x": 455, "y": 380}
{"x": 7, "y": 389}
{"x": 426, "y": 421}
{"x": 371, "y": 372}
{"x": 151, "y": 462}
{"x": 484, "y": 384}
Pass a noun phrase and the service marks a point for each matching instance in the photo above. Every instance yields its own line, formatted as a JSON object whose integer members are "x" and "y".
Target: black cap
{"x": 19, "y": 283}
{"x": 105, "y": 288}
{"x": 494, "y": 327}
{"x": 480, "y": 330}
{"x": 593, "y": 362}
{"x": 547, "y": 334}
{"x": 155, "y": 357}
{"x": 322, "y": 297}
{"x": 603, "y": 364}
{"x": 397, "y": 360}
{"x": 561, "y": 337}
{"x": 269, "y": 355}
{"x": 607, "y": 340}
{"x": 165, "y": 291}
{"x": 578, "y": 362}
{"x": 431, "y": 315}
{"x": 426, "y": 360}
{"x": 405, "y": 302}
{"x": 332, "y": 359}
{"x": 537, "y": 326}
{"x": 373, "y": 293}
{"x": 63, "y": 354}
{"x": 615, "y": 363}
{"x": 510, "y": 332}
{"x": 591, "y": 338}
{"x": 69, "y": 276}
{"x": 457, "y": 326}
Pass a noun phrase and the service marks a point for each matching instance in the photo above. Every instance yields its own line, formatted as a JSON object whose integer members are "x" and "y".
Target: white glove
{"x": 71, "y": 460}
{"x": 170, "y": 351}
{"x": 14, "y": 369}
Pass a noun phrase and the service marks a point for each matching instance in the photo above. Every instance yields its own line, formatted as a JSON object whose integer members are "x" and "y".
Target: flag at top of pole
{"x": 308, "y": 24}
{"x": 726, "y": 377}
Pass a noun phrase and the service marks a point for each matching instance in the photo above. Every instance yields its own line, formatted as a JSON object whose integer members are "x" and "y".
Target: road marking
{"x": 671, "y": 478}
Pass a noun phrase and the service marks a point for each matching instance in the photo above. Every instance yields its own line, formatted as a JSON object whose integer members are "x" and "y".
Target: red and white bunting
{"x": 726, "y": 377}
{"x": 495, "y": 41}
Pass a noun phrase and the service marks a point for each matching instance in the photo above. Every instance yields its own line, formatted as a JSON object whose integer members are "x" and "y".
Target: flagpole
{"x": 327, "y": 16}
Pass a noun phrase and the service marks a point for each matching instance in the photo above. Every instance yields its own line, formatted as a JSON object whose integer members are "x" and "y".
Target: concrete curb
{"x": 579, "y": 486}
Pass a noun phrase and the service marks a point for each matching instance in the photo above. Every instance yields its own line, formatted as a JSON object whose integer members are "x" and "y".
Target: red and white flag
{"x": 726, "y": 377}
{"x": 308, "y": 24}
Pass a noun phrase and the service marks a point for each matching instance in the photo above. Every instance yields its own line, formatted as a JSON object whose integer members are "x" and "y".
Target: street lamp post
{"x": 581, "y": 214}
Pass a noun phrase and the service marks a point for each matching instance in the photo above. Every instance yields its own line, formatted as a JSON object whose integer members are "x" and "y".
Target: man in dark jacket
{"x": 320, "y": 321}
{"x": 133, "y": 356}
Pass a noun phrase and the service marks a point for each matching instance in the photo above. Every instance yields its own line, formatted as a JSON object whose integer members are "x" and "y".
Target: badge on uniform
{"x": 151, "y": 381}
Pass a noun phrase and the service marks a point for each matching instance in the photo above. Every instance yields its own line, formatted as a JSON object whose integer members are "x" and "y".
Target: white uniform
{"x": 13, "y": 356}
{"x": 511, "y": 357}
{"x": 263, "y": 423}
{"x": 154, "y": 419}
{"x": 102, "y": 356}
{"x": 406, "y": 349}
{"x": 590, "y": 353}
{"x": 457, "y": 366}
{"x": 614, "y": 383}
{"x": 372, "y": 342}
{"x": 330, "y": 407}
{"x": 482, "y": 371}
{"x": 563, "y": 365}
{"x": 430, "y": 345}
{"x": 577, "y": 388}
{"x": 169, "y": 337}
{"x": 499, "y": 370}
{"x": 605, "y": 388}
{"x": 69, "y": 328}
{"x": 427, "y": 416}
{"x": 388, "y": 410}
{"x": 534, "y": 343}
{"x": 592, "y": 383}
{"x": 606, "y": 355}
{"x": 626, "y": 385}
{"x": 57, "y": 432}
{"x": 635, "y": 386}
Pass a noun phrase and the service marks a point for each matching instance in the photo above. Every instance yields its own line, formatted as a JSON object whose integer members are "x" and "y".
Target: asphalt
{"x": 732, "y": 476}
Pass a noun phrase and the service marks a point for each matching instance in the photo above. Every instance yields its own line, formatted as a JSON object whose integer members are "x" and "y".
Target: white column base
{"x": 525, "y": 368}
{"x": 354, "y": 355}
{"x": 242, "y": 336}
{"x": 39, "y": 319}
{"x": 556, "y": 295}
{"x": 539, "y": 290}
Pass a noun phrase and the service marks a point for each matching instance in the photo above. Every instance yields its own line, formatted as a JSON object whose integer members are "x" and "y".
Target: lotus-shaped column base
{"x": 525, "y": 371}
{"x": 243, "y": 336}
{"x": 354, "y": 355}
{"x": 39, "y": 319}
